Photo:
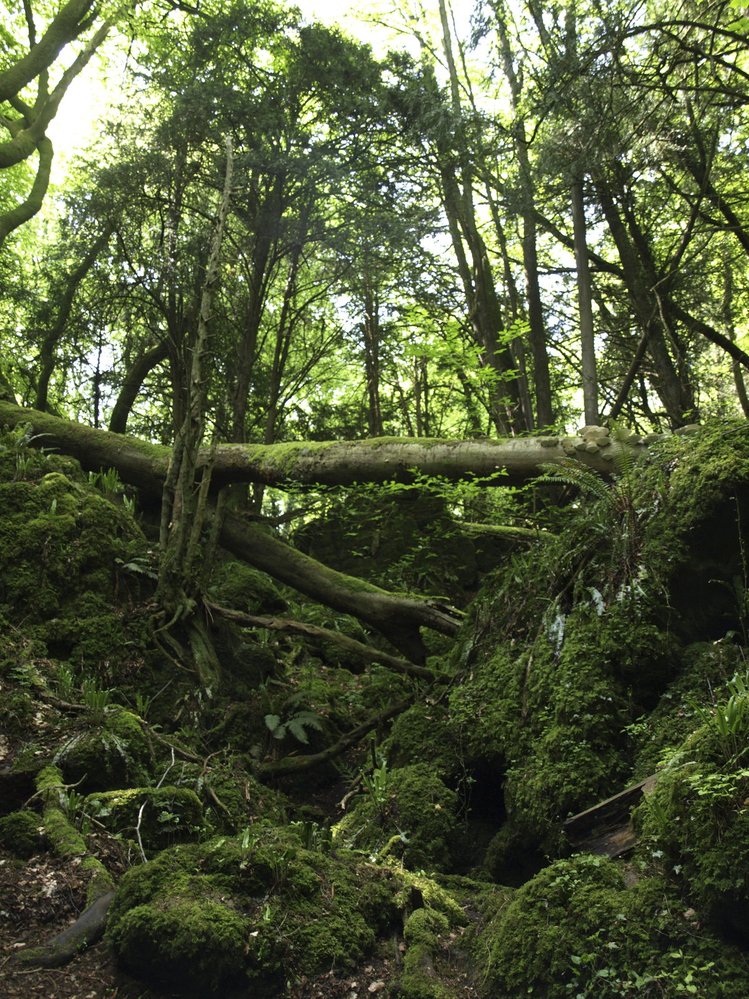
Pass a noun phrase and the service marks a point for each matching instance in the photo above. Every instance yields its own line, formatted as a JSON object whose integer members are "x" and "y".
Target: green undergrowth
{"x": 577, "y": 930}
{"x": 609, "y": 651}
{"x": 576, "y": 649}
{"x": 405, "y": 812}
{"x": 258, "y": 910}
{"x": 696, "y": 820}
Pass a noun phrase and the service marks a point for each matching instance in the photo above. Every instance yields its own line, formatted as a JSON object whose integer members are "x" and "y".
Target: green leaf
{"x": 273, "y": 722}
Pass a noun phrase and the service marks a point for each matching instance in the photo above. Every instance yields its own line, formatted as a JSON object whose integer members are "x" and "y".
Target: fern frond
{"x": 575, "y": 473}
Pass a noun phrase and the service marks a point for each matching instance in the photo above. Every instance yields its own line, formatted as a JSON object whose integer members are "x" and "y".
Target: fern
{"x": 295, "y": 726}
{"x": 574, "y": 473}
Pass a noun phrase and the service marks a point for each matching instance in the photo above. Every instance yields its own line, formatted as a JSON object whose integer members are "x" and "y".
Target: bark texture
{"x": 335, "y": 463}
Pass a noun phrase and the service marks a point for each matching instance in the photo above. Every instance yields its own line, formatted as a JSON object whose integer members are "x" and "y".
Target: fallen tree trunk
{"x": 333, "y": 463}
{"x": 397, "y": 617}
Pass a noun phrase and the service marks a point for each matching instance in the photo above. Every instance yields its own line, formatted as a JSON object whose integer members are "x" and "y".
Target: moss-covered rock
{"x": 161, "y": 815}
{"x": 408, "y": 812}
{"x": 423, "y": 734}
{"x": 21, "y": 833}
{"x": 697, "y": 816}
{"x": 704, "y": 669}
{"x": 575, "y": 929}
{"x": 572, "y": 645}
{"x": 59, "y": 539}
{"x": 279, "y": 909}
{"x": 115, "y": 753}
{"x": 239, "y": 586}
{"x": 421, "y": 933}
{"x": 197, "y": 947}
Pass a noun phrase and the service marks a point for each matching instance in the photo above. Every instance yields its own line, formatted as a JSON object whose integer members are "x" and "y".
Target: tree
{"x": 25, "y": 118}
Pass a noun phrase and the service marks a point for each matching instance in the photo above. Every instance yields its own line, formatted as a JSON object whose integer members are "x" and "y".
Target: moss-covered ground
{"x": 432, "y": 851}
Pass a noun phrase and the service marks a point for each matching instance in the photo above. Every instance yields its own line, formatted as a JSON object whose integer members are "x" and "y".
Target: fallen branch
{"x": 356, "y": 648}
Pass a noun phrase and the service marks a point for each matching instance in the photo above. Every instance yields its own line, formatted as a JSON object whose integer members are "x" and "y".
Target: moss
{"x": 244, "y": 799}
{"x": 234, "y": 584}
{"x": 704, "y": 670}
{"x": 575, "y": 929}
{"x": 56, "y": 536}
{"x": 553, "y": 712}
{"x": 303, "y": 910}
{"x": 423, "y": 734}
{"x": 421, "y": 932}
{"x": 424, "y": 926}
{"x": 697, "y": 819}
{"x": 162, "y": 815}
{"x": 411, "y": 814}
{"x": 64, "y": 839}
{"x": 197, "y": 947}
{"x": 113, "y": 754}
{"x": 20, "y": 833}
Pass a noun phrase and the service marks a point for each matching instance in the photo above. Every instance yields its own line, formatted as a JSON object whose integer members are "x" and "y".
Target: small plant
{"x": 378, "y": 782}
{"x": 313, "y": 836}
{"x": 107, "y": 481}
{"x": 140, "y": 566}
{"x": 295, "y": 726}
{"x": 730, "y": 718}
{"x": 71, "y": 803}
{"x": 65, "y": 682}
{"x": 96, "y": 699}
{"x": 142, "y": 704}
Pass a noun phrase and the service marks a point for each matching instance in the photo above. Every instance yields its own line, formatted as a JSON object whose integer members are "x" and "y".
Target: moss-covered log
{"x": 397, "y": 617}
{"x": 331, "y": 463}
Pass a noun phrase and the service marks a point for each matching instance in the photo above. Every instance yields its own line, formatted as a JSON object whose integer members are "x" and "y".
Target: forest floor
{"x": 41, "y": 896}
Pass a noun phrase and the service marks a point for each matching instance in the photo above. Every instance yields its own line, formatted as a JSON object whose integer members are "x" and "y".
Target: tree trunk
{"x": 131, "y": 386}
{"x": 584, "y": 298}
{"x": 325, "y": 463}
{"x": 537, "y": 328}
{"x": 651, "y": 310}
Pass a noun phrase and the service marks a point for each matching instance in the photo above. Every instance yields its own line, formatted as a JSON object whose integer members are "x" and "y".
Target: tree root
{"x": 86, "y": 930}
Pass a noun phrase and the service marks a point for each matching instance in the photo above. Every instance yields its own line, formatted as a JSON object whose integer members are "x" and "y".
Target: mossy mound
{"x": 705, "y": 668}
{"x": 234, "y": 798}
{"x": 64, "y": 549}
{"x": 407, "y": 812}
{"x": 574, "y": 644}
{"x": 248, "y": 912}
{"x": 234, "y": 584}
{"x": 21, "y": 834}
{"x": 575, "y": 929}
{"x": 697, "y": 816}
{"x": 423, "y": 734}
{"x": 112, "y": 753}
{"x": 59, "y": 539}
{"x": 159, "y": 816}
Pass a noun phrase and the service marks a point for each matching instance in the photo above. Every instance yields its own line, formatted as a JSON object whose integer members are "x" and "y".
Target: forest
{"x": 374, "y": 500}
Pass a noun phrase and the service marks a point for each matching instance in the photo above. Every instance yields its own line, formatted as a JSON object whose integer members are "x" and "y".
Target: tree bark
{"x": 131, "y": 386}
{"x": 53, "y": 336}
{"x": 584, "y": 298}
{"x": 396, "y": 617}
{"x": 332, "y": 463}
